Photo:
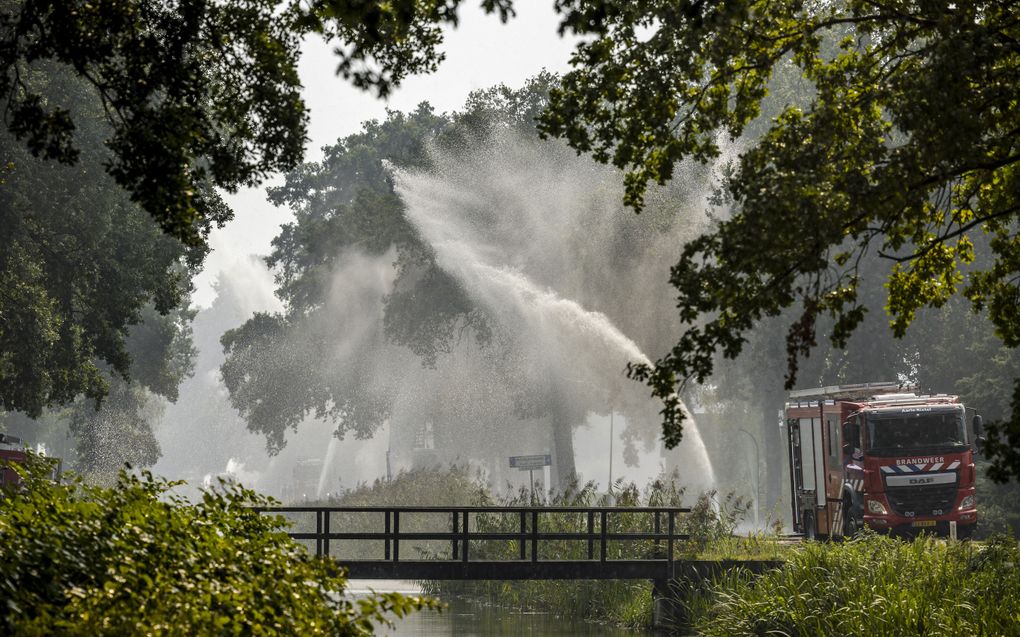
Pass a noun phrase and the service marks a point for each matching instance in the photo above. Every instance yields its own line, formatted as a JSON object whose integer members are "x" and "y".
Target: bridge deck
{"x": 507, "y": 570}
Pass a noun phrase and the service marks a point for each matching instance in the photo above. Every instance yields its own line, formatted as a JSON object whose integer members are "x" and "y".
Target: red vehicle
{"x": 871, "y": 455}
{"x": 11, "y": 451}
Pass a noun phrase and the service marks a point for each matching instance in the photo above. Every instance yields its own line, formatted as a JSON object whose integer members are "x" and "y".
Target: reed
{"x": 871, "y": 585}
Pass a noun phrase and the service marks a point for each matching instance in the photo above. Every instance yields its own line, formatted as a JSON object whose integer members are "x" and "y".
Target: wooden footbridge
{"x": 536, "y": 544}
{"x": 508, "y": 543}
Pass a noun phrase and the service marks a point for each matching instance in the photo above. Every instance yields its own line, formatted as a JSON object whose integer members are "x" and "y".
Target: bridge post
{"x": 534, "y": 535}
{"x": 603, "y": 533}
{"x": 658, "y": 543}
{"x": 396, "y": 536}
{"x": 660, "y": 591}
{"x": 524, "y": 537}
{"x": 668, "y": 616}
{"x": 318, "y": 533}
{"x": 591, "y": 535}
{"x": 325, "y": 532}
{"x": 456, "y": 530}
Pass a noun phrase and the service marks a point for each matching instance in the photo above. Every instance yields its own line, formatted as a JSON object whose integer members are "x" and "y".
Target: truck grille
{"x": 934, "y": 499}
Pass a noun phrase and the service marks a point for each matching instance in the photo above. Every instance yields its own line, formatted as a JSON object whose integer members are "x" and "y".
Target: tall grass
{"x": 872, "y": 585}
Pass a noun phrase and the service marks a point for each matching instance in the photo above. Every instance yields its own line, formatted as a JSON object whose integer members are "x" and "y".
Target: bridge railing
{"x": 532, "y": 529}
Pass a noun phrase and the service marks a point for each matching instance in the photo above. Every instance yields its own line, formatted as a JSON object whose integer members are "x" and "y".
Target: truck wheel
{"x": 850, "y": 525}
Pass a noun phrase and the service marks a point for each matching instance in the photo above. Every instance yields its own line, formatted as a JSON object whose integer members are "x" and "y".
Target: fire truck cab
{"x": 881, "y": 456}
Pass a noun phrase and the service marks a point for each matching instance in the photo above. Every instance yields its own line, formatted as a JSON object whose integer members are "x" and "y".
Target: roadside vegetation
{"x": 710, "y": 526}
{"x": 871, "y": 585}
{"x": 136, "y": 559}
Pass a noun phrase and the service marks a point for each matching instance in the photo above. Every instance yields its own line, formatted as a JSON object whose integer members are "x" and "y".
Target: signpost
{"x": 529, "y": 464}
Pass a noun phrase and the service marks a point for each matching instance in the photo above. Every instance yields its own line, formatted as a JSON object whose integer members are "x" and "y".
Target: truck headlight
{"x": 874, "y": 506}
{"x": 967, "y": 502}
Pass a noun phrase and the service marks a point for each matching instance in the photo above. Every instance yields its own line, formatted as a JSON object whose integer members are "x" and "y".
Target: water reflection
{"x": 462, "y": 619}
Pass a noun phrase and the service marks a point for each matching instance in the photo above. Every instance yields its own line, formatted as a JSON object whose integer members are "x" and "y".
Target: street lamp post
{"x": 610, "y": 488}
{"x": 757, "y": 468}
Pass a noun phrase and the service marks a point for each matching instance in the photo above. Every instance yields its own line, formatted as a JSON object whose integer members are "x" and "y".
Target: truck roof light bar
{"x": 880, "y": 401}
{"x": 858, "y": 390}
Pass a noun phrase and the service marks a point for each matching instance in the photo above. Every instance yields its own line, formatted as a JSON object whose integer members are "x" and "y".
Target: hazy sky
{"x": 480, "y": 52}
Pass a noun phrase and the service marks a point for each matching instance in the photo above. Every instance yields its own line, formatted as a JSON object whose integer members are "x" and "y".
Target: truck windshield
{"x": 916, "y": 431}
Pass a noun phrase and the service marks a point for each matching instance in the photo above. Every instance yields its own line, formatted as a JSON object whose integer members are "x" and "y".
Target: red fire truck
{"x": 880, "y": 455}
{"x": 11, "y": 451}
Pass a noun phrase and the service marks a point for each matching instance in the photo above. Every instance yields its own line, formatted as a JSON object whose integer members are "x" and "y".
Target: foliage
{"x": 165, "y": 100}
{"x": 906, "y": 147}
{"x": 400, "y": 37}
{"x": 345, "y": 202}
{"x": 200, "y": 92}
{"x": 873, "y": 585}
{"x": 711, "y": 521}
{"x": 89, "y": 286}
{"x": 998, "y": 513}
{"x": 435, "y": 486}
{"x": 138, "y": 559}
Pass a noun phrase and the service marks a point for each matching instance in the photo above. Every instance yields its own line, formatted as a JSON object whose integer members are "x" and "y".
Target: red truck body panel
{"x": 7, "y": 474}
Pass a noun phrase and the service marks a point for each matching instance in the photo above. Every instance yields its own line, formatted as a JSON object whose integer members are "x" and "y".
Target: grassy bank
{"x": 873, "y": 585}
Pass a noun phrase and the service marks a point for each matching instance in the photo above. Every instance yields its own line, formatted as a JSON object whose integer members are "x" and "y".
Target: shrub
{"x": 874, "y": 585}
{"x": 137, "y": 559}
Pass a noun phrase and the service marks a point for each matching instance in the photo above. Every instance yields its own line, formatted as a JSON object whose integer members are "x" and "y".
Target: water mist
{"x": 536, "y": 235}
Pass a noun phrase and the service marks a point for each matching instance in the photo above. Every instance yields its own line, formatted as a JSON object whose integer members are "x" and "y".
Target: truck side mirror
{"x": 979, "y": 433}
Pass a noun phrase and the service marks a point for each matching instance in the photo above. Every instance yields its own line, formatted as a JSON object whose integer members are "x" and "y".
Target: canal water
{"x": 465, "y": 619}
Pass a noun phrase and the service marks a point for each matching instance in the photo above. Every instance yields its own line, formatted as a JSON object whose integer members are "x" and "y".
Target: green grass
{"x": 873, "y": 585}
{"x": 757, "y": 546}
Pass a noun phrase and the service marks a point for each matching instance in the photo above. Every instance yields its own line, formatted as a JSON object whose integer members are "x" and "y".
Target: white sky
{"x": 481, "y": 52}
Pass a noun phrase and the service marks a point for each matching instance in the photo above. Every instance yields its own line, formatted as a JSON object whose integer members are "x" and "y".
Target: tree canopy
{"x": 115, "y": 112}
{"x": 90, "y": 288}
{"x": 200, "y": 92}
{"x": 904, "y": 145}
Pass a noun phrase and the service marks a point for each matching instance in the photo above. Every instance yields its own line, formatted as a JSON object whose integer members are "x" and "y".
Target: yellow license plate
{"x": 923, "y": 523}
